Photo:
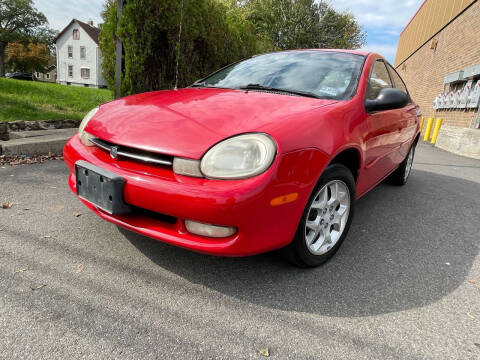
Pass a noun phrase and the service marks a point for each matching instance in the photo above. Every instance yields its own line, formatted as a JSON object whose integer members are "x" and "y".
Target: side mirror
{"x": 388, "y": 99}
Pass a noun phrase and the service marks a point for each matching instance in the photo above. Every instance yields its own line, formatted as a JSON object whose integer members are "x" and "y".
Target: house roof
{"x": 92, "y": 31}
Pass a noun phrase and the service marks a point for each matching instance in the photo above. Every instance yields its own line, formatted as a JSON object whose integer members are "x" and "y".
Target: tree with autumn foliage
{"x": 31, "y": 58}
{"x": 21, "y": 22}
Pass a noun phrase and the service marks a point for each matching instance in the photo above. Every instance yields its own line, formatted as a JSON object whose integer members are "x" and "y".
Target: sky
{"x": 383, "y": 20}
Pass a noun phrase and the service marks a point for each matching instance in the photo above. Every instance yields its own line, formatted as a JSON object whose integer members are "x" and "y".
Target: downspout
{"x": 58, "y": 64}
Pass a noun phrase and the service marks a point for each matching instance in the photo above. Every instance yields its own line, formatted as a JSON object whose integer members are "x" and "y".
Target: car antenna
{"x": 178, "y": 45}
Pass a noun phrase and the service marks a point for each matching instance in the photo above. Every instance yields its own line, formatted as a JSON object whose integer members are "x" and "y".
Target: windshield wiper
{"x": 200, "y": 84}
{"x": 287, "y": 91}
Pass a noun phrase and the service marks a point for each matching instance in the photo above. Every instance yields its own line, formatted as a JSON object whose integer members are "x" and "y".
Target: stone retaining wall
{"x": 21, "y": 125}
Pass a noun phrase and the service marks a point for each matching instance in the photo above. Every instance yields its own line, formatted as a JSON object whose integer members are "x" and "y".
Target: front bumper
{"x": 244, "y": 204}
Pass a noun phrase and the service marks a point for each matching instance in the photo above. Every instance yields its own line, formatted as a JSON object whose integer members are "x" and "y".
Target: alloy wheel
{"x": 327, "y": 217}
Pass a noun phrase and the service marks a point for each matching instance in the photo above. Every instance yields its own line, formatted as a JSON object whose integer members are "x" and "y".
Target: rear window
{"x": 397, "y": 80}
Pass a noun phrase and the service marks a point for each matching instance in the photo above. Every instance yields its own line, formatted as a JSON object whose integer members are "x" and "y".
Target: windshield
{"x": 328, "y": 75}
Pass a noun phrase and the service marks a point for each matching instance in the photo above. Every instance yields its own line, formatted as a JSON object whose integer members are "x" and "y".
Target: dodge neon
{"x": 268, "y": 153}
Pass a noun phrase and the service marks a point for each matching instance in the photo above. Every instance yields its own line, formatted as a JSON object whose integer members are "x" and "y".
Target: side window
{"x": 379, "y": 79}
{"x": 397, "y": 80}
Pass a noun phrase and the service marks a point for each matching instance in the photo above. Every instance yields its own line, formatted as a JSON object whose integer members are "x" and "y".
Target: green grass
{"x": 28, "y": 100}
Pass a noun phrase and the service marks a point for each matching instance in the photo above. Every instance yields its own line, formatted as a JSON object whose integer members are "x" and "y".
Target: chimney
{"x": 90, "y": 22}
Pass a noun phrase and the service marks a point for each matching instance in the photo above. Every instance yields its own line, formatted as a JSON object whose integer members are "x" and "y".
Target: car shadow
{"x": 407, "y": 247}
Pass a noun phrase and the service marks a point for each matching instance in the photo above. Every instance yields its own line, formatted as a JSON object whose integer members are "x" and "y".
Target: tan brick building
{"x": 438, "y": 56}
{"x": 442, "y": 38}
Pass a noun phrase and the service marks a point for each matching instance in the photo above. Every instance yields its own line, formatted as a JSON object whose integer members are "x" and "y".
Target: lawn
{"x": 28, "y": 100}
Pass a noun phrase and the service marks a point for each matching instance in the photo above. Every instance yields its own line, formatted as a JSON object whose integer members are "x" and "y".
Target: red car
{"x": 270, "y": 152}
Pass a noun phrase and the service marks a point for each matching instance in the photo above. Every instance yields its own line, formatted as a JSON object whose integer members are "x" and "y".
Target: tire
{"x": 319, "y": 223}
{"x": 400, "y": 176}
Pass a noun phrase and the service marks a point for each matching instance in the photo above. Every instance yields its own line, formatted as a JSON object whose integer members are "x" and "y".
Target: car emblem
{"x": 114, "y": 152}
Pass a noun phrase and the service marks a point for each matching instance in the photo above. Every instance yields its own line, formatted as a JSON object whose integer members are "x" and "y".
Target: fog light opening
{"x": 208, "y": 230}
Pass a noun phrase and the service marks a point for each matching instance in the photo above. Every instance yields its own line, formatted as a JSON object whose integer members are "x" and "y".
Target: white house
{"x": 79, "y": 60}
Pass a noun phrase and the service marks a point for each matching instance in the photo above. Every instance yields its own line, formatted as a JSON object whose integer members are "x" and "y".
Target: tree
{"x": 295, "y": 24}
{"x": 213, "y": 35}
{"x": 33, "y": 57}
{"x": 19, "y": 21}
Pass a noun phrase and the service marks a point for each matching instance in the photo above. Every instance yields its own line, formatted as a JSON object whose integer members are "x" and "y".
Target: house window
{"x": 70, "y": 51}
{"x": 83, "y": 52}
{"x": 70, "y": 70}
{"x": 47, "y": 75}
{"x": 85, "y": 73}
{"x": 76, "y": 34}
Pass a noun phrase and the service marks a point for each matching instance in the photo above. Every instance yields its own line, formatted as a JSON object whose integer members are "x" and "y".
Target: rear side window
{"x": 397, "y": 80}
{"x": 379, "y": 79}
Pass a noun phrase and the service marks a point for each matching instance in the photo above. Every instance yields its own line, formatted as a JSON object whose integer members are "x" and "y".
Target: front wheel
{"x": 326, "y": 218}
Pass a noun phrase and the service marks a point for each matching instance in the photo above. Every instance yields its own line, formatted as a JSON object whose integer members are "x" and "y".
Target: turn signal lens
{"x": 187, "y": 167}
{"x": 208, "y": 230}
{"x": 285, "y": 199}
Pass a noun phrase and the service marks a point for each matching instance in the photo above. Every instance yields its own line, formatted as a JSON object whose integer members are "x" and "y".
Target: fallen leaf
{"x": 59, "y": 207}
{"x": 23, "y": 269}
{"x": 7, "y": 205}
{"x": 79, "y": 269}
{"x": 77, "y": 214}
{"x": 25, "y": 209}
{"x": 224, "y": 302}
{"x": 16, "y": 160}
{"x": 472, "y": 282}
{"x": 37, "y": 286}
{"x": 265, "y": 352}
{"x": 46, "y": 237}
{"x": 53, "y": 187}
{"x": 470, "y": 315}
{"x": 448, "y": 264}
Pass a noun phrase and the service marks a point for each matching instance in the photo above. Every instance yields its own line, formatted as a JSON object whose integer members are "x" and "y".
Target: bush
{"x": 214, "y": 34}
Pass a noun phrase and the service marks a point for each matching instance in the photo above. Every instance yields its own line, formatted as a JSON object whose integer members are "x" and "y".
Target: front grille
{"x": 132, "y": 153}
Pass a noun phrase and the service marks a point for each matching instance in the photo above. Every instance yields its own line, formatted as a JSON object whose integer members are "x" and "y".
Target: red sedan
{"x": 270, "y": 152}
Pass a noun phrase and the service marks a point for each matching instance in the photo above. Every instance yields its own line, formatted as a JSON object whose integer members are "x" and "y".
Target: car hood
{"x": 187, "y": 122}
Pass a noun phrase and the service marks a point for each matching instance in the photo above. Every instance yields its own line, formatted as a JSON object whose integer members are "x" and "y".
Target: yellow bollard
{"x": 438, "y": 125}
{"x": 422, "y": 120}
{"x": 428, "y": 130}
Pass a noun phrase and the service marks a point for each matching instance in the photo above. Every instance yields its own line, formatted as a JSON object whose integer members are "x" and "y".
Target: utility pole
{"x": 118, "y": 52}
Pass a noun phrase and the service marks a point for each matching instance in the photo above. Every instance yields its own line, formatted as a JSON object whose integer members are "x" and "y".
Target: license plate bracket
{"x": 100, "y": 187}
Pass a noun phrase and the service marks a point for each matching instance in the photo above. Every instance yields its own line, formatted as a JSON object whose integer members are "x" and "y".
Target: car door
{"x": 383, "y": 140}
{"x": 408, "y": 116}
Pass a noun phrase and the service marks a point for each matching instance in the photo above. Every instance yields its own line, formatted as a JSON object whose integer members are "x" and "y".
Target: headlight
{"x": 82, "y": 134}
{"x": 239, "y": 157}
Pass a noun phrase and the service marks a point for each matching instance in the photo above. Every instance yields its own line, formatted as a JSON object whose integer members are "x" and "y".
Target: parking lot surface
{"x": 404, "y": 285}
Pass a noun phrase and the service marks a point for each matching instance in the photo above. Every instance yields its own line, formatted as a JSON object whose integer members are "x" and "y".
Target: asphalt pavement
{"x": 404, "y": 285}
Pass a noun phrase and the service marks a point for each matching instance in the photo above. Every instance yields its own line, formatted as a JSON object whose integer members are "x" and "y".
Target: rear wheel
{"x": 326, "y": 218}
{"x": 400, "y": 176}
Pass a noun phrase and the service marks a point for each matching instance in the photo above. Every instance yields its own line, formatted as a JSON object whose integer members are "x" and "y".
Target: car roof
{"x": 356, "y": 52}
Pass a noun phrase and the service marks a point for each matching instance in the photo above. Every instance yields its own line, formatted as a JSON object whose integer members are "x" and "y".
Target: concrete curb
{"x": 37, "y": 142}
